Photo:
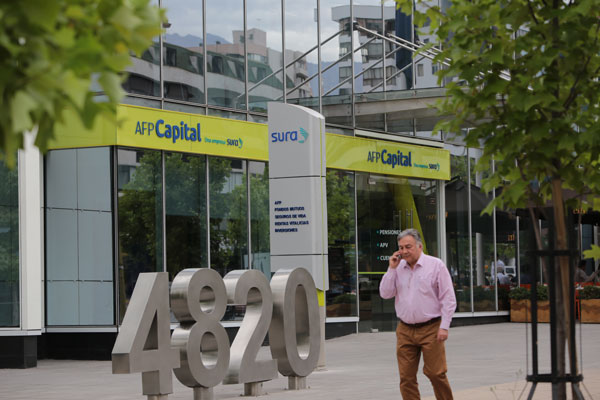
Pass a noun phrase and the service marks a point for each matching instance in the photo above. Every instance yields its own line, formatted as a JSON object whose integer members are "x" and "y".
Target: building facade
{"x": 81, "y": 222}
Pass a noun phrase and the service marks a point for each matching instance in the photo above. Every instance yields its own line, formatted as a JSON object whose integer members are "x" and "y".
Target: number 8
{"x": 198, "y": 300}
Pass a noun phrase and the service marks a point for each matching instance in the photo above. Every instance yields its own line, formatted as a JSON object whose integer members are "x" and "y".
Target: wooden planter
{"x": 520, "y": 311}
{"x": 590, "y": 311}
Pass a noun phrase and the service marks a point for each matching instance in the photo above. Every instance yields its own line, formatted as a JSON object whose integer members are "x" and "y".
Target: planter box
{"x": 520, "y": 311}
{"x": 590, "y": 311}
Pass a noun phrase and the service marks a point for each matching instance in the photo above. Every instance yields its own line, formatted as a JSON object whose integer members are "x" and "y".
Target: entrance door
{"x": 387, "y": 205}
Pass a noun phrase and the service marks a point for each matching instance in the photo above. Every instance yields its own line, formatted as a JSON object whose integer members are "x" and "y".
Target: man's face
{"x": 410, "y": 249}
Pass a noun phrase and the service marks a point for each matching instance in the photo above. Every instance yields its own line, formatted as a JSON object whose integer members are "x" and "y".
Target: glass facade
{"x": 9, "y": 247}
{"x": 303, "y": 53}
{"x": 166, "y": 211}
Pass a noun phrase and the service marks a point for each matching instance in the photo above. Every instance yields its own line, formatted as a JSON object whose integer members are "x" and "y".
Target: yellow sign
{"x": 390, "y": 158}
{"x": 191, "y": 133}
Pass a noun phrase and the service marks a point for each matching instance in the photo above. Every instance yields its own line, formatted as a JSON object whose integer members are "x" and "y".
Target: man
{"x": 580, "y": 274}
{"x": 425, "y": 303}
{"x": 503, "y": 279}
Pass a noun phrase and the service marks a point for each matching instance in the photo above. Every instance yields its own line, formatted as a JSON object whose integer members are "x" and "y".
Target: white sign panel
{"x": 297, "y": 193}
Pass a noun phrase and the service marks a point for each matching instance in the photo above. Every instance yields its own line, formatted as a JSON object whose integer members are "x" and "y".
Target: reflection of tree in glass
{"x": 340, "y": 207}
{"x": 140, "y": 220}
{"x": 9, "y": 245}
{"x": 185, "y": 192}
{"x": 259, "y": 196}
{"x": 228, "y": 216}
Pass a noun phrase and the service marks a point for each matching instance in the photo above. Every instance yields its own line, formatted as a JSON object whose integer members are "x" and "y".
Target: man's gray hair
{"x": 411, "y": 232}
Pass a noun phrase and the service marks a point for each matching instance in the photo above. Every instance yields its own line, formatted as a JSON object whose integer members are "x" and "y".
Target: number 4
{"x": 143, "y": 344}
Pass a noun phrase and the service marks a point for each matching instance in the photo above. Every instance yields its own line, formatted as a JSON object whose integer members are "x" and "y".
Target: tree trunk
{"x": 563, "y": 321}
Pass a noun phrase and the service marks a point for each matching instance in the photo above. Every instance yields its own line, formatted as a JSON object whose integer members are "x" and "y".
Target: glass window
{"x": 225, "y": 51}
{"x": 457, "y": 226}
{"x": 341, "y": 227}
{"x": 9, "y": 246}
{"x": 144, "y": 71}
{"x": 265, "y": 61}
{"x": 228, "y": 214}
{"x": 79, "y": 261}
{"x": 259, "y": 217}
{"x": 183, "y": 66}
{"x": 484, "y": 264}
{"x": 385, "y": 206}
{"x": 139, "y": 180}
{"x": 185, "y": 212}
{"x": 337, "y": 80}
{"x": 301, "y": 36}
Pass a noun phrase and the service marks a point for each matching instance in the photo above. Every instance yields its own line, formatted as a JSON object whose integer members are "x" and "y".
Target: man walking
{"x": 425, "y": 303}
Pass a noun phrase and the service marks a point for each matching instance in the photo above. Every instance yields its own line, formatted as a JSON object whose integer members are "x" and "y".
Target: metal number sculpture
{"x": 199, "y": 351}
{"x": 198, "y": 300}
{"x": 143, "y": 341}
{"x": 250, "y": 288}
{"x": 294, "y": 336}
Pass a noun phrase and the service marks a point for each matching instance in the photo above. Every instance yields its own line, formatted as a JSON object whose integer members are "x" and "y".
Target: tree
{"x": 55, "y": 56}
{"x": 524, "y": 76}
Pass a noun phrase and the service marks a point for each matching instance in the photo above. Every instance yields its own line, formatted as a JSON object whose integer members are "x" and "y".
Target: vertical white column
{"x": 30, "y": 235}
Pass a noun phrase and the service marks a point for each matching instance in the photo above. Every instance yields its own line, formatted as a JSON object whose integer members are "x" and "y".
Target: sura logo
{"x": 290, "y": 136}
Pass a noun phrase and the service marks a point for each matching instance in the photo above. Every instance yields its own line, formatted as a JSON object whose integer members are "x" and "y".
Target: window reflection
{"x": 139, "y": 180}
{"x": 301, "y": 36}
{"x": 9, "y": 247}
{"x": 259, "y": 217}
{"x": 144, "y": 73}
{"x": 185, "y": 211}
{"x": 228, "y": 214}
{"x": 265, "y": 61}
{"x": 457, "y": 226}
{"x": 225, "y": 53}
{"x": 337, "y": 80}
{"x": 341, "y": 227}
{"x": 183, "y": 63}
{"x": 484, "y": 264}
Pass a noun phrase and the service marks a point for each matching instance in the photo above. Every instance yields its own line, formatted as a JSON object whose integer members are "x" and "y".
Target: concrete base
{"x": 296, "y": 382}
{"x": 253, "y": 389}
{"x": 18, "y": 351}
{"x": 203, "y": 393}
{"x": 158, "y": 396}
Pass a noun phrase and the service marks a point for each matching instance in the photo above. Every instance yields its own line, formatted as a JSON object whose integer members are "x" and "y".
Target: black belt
{"x": 420, "y": 324}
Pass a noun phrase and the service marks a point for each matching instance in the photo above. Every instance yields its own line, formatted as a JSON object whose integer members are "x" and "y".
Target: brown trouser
{"x": 410, "y": 343}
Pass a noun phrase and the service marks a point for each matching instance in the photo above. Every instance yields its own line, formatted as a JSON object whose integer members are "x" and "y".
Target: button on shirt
{"x": 422, "y": 293}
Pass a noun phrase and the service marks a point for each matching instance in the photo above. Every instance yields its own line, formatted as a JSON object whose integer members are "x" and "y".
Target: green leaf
{"x": 21, "y": 106}
{"x": 75, "y": 88}
{"x": 594, "y": 252}
{"x": 111, "y": 84}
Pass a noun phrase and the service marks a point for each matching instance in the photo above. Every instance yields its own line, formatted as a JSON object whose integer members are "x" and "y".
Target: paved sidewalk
{"x": 485, "y": 362}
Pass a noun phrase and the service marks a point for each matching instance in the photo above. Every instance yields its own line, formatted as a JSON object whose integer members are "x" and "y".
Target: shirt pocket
{"x": 425, "y": 284}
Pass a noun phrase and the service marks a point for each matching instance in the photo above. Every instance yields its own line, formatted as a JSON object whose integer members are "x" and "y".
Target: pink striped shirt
{"x": 422, "y": 293}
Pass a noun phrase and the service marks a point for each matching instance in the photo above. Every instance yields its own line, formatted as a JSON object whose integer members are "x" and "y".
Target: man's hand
{"x": 442, "y": 335}
{"x": 395, "y": 260}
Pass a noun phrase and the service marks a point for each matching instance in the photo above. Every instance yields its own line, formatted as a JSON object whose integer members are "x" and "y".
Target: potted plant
{"x": 590, "y": 304}
{"x": 543, "y": 304}
{"x": 520, "y": 307}
{"x": 342, "y": 305}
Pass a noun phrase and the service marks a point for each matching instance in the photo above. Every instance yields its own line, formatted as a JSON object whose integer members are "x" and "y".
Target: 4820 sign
{"x": 198, "y": 351}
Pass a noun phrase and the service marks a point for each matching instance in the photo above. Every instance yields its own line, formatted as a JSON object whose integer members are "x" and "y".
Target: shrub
{"x": 346, "y": 298}
{"x": 590, "y": 292}
{"x": 542, "y": 292}
{"x": 519, "y": 293}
